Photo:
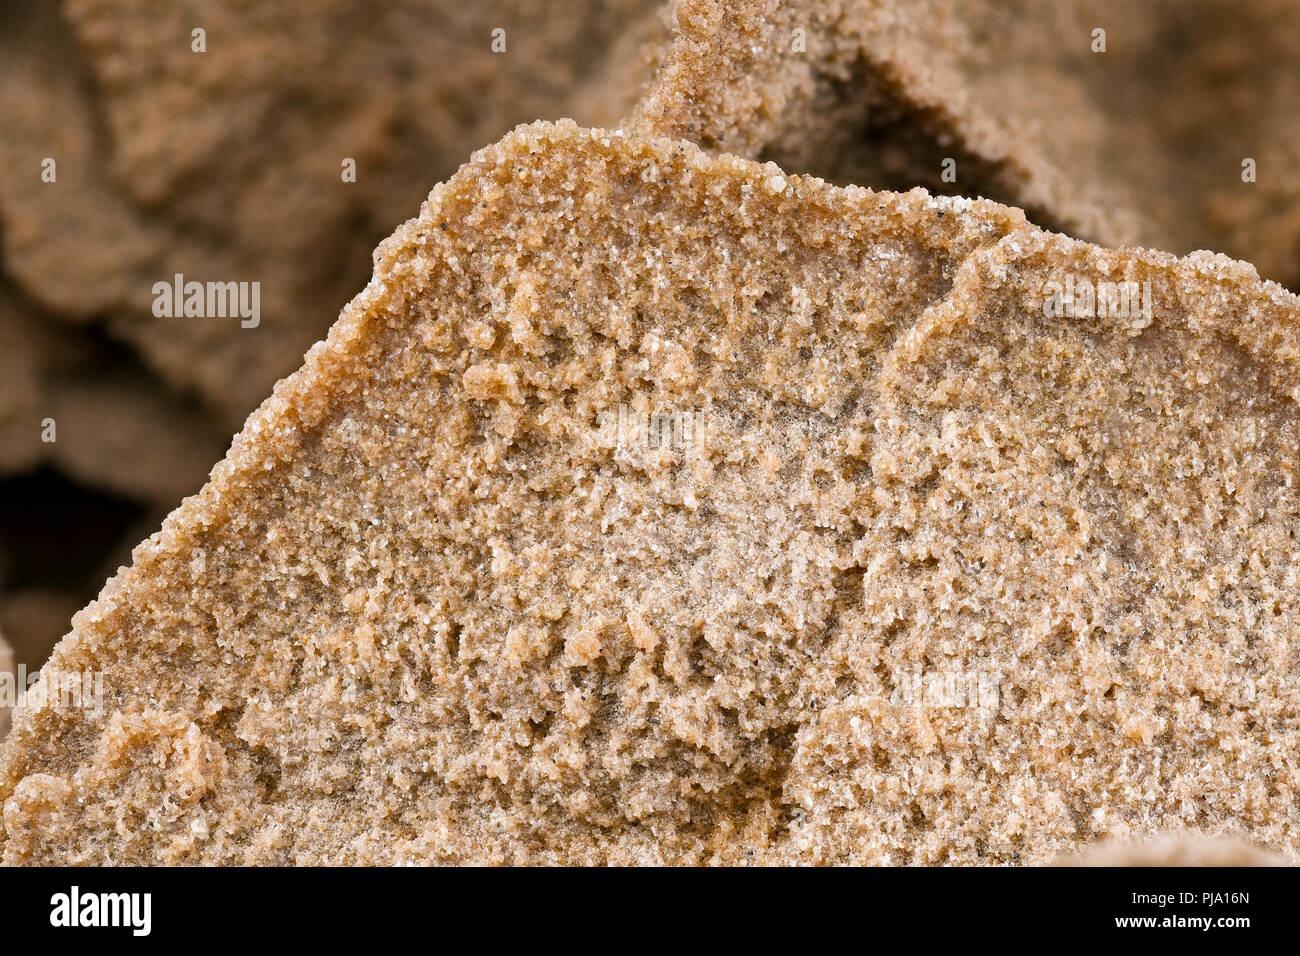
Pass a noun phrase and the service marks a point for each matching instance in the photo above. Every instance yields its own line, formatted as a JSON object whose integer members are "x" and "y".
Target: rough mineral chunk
{"x": 651, "y": 506}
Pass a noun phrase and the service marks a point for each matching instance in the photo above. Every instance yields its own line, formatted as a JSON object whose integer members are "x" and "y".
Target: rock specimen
{"x": 654, "y": 506}
{"x": 225, "y": 164}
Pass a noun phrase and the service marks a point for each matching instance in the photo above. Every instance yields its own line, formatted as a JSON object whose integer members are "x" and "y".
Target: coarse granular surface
{"x": 655, "y": 506}
{"x": 236, "y": 165}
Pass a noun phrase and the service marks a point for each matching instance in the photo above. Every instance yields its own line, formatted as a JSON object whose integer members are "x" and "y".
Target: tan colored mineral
{"x": 226, "y": 166}
{"x": 654, "y": 506}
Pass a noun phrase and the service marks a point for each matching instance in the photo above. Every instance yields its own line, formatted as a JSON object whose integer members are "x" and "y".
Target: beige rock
{"x": 632, "y": 510}
{"x": 226, "y": 165}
